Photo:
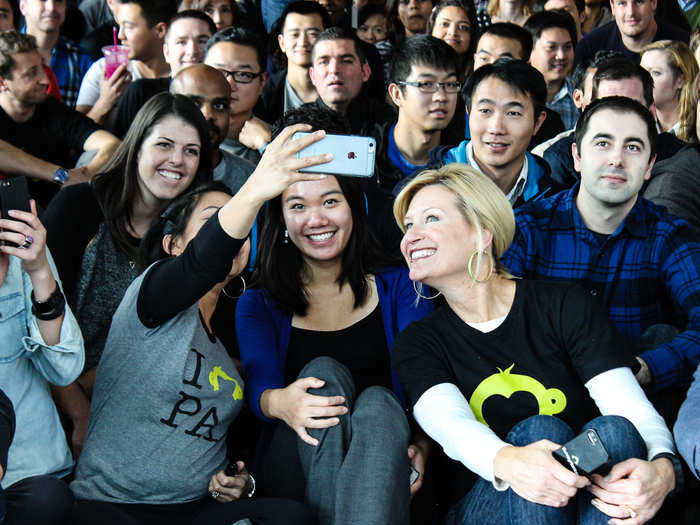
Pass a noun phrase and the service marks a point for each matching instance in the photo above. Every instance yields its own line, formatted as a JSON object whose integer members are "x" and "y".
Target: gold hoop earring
{"x": 423, "y": 296}
{"x": 469, "y": 267}
{"x": 223, "y": 290}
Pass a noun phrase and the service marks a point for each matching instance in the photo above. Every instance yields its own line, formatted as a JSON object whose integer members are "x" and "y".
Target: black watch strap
{"x": 677, "y": 470}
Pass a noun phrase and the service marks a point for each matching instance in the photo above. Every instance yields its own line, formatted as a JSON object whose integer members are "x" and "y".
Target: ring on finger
{"x": 28, "y": 241}
{"x": 215, "y": 494}
{"x": 630, "y": 511}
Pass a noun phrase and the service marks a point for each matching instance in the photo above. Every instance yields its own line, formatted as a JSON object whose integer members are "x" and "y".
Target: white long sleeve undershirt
{"x": 445, "y": 415}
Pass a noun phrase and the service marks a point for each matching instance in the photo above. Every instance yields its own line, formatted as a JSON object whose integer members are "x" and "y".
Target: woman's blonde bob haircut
{"x": 482, "y": 204}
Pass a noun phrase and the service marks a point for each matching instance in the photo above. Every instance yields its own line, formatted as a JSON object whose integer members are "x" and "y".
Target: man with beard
{"x": 41, "y": 126}
{"x": 553, "y": 40}
{"x": 208, "y": 89}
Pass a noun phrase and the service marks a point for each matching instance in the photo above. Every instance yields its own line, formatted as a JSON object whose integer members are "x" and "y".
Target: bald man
{"x": 208, "y": 88}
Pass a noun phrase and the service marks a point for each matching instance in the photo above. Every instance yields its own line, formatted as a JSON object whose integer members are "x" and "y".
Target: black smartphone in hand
{"x": 14, "y": 195}
{"x": 584, "y": 454}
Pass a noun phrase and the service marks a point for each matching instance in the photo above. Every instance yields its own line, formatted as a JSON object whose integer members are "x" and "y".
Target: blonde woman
{"x": 673, "y": 67}
{"x": 507, "y": 371}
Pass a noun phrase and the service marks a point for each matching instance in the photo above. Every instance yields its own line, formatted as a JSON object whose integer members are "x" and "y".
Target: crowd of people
{"x": 202, "y": 326}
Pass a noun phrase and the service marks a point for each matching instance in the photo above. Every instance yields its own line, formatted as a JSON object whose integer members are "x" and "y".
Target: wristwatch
{"x": 60, "y": 176}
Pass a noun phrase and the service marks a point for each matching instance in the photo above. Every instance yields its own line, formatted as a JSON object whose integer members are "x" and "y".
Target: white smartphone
{"x": 353, "y": 156}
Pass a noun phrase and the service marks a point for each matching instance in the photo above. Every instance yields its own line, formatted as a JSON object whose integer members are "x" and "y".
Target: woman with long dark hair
{"x": 314, "y": 337}
{"x": 94, "y": 229}
{"x": 454, "y": 22}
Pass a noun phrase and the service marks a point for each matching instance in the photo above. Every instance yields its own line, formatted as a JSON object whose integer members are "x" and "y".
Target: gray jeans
{"x": 358, "y": 473}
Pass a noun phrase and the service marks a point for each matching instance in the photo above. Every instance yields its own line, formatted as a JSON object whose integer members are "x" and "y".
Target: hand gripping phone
{"x": 584, "y": 454}
{"x": 353, "y": 156}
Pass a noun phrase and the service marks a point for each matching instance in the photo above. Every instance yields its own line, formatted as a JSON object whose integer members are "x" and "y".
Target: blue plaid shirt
{"x": 69, "y": 63}
{"x": 642, "y": 272}
{"x": 563, "y": 103}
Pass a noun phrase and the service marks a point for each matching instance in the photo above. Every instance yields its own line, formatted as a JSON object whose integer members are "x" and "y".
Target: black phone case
{"x": 14, "y": 195}
{"x": 584, "y": 454}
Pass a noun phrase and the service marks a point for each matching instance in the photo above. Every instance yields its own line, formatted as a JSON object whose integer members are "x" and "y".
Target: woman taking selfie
{"x": 314, "y": 340}
{"x": 166, "y": 390}
{"x": 94, "y": 229}
{"x": 486, "y": 372}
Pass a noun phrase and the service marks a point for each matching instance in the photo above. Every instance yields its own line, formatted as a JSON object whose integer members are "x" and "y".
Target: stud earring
{"x": 286, "y": 237}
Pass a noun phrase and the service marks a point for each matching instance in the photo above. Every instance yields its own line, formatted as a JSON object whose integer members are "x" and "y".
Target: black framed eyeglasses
{"x": 430, "y": 86}
{"x": 240, "y": 77}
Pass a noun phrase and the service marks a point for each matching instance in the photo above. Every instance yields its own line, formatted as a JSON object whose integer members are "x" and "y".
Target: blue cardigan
{"x": 263, "y": 331}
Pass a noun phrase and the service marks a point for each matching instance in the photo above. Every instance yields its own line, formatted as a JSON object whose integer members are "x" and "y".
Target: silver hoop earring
{"x": 223, "y": 290}
{"x": 469, "y": 267}
{"x": 423, "y": 296}
{"x": 286, "y": 237}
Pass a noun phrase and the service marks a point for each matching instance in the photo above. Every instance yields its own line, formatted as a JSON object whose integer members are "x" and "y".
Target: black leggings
{"x": 262, "y": 511}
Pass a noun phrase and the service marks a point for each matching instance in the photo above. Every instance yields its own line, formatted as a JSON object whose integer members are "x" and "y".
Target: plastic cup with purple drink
{"x": 115, "y": 56}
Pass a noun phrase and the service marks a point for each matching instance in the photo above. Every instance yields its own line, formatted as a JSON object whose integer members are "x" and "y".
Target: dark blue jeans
{"x": 38, "y": 499}
{"x": 484, "y": 504}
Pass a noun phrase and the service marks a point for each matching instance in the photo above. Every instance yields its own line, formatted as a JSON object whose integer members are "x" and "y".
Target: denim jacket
{"x": 27, "y": 366}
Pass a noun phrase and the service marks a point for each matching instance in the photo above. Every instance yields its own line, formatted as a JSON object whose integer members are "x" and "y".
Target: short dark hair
{"x": 155, "y": 11}
{"x": 468, "y": 8}
{"x": 280, "y": 265}
{"x": 173, "y": 221}
{"x": 552, "y": 19}
{"x": 193, "y": 13}
{"x": 620, "y": 69}
{"x": 242, "y": 37}
{"x": 317, "y": 117}
{"x": 512, "y": 32}
{"x": 340, "y": 33}
{"x": 518, "y": 74}
{"x": 620, "y": 105}
{"x": 11, "y": 43}
{"x": 578, "y": 77}
{"x": 117, "y": 185}
{"x": 301, "y": 7}
{"x": 423, "y": 50}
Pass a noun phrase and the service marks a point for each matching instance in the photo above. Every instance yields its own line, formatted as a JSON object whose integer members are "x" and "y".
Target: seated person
{"x": 673, "y": 68}
{"x": 509, "y": 370}
{"x": 39, "y": 124}
{"x": 314, "y": 337}
{"x": 41, "y": 345}
{"x": 675, "y": 181}
{"x": 184, "y": 44}
{"x": 504, "y": 40}
{"x": 142, "y": 28}
{"x": 209, "y": 90}
{"x": 67, "y": 60}
{"x": 425, "y": 88}
{"x": 240, "y": 56}
{"x": 687, "y": 428}
{"x": 613, "y": 77}
{"x": 633, "y": 28}
{"x": 454, "y": 22}
{"x": 506, "y": 103}
{"x": 553, "y": 41}
{"x": 95, "y": 228}
{"x": 290, "y": 87}
{"x": 163, "y": 363}
{"x": 641, "y": 263}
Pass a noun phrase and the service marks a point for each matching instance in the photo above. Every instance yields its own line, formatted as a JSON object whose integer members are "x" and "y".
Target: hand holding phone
{"x": 14, "y": 195}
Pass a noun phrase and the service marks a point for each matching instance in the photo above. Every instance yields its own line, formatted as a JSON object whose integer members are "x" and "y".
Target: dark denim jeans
{"x": 38, "y": 499}
{"x": 484, "y": 504}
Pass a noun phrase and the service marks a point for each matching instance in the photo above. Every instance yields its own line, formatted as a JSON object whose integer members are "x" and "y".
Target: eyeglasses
{"x": 430, "y": 86}
{"x": 240, "y": 77}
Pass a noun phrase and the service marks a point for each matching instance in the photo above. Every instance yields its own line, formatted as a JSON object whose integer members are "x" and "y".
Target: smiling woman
{"x": 94, "y": 228}
{"x": 314, "y": 336}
